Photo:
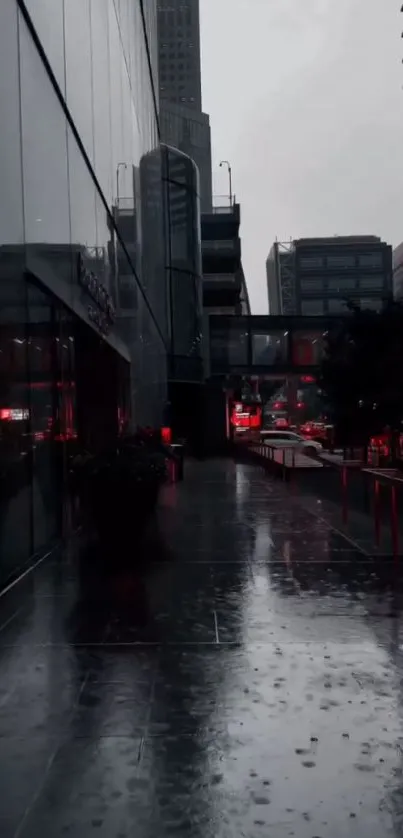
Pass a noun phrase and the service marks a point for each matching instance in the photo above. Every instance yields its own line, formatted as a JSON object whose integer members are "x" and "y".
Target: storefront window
{"x": 47, "y": 455}
{"x": 15, "y": 449}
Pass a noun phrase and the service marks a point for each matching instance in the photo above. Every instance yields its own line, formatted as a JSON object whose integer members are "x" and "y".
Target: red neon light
{"x": 307, "y": 379}
{"x": 254, "y": 422}
{"x": 14, "y": 414}
{"x": 300, "y": 405}
{"x": 248, "y": 418}
{"x": 166, "y": 435}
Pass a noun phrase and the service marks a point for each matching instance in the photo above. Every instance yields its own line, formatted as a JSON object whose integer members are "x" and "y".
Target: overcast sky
{"x": 306, "y": 101}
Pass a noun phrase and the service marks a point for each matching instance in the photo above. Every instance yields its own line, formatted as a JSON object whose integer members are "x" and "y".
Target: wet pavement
{"x": 248, "y": 683}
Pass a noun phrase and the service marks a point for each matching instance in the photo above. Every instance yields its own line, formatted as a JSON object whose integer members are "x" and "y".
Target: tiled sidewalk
{"x": 245, "y": 683}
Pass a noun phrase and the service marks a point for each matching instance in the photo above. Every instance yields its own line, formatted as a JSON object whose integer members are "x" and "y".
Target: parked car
{"x": 289, "y": 439}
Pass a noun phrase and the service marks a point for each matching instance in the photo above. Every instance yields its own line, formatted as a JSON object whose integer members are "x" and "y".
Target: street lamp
{"x": 119, "y": 167}
{"x": 227, "y": 163}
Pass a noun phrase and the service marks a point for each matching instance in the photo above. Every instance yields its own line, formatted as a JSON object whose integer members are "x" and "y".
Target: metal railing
{"x": 223, "y": 204}
{"x": 223, "y": 210}
{"x": 368, "y": 498}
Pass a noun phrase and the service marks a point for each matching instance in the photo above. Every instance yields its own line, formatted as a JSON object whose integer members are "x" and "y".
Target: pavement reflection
{"x": 243, "y": 677}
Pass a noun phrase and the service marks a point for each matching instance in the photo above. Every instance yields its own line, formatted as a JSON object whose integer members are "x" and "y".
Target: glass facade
{"x": 269, "y": 347}
{"x": 189, "y": 131}
{"x": 184, "y": 279}
{"x": 82, "y": 248}
{"x": 341, "y": 269}
{"x": 280, "y": 343}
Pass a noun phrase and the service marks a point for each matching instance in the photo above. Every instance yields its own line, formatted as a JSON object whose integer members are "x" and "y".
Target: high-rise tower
{"x": 182, "y": 121}
{"x": 179, "y": 53}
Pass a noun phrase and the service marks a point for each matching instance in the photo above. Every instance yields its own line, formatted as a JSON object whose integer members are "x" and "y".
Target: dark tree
{"x": 362, "y": 374}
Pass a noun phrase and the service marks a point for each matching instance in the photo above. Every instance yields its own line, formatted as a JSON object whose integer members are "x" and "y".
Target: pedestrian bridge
{"x": 264, "y": 344}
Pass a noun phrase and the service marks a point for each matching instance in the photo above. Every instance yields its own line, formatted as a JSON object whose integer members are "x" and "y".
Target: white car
{"x": 289, "y": 439}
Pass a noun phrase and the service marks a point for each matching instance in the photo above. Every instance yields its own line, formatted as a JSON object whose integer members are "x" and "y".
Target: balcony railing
{"x": 223, "y": 204}
{"x": 223, "y": 210}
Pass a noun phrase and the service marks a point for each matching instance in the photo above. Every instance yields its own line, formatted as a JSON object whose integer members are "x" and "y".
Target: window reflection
{"x": 229, "y": 344}
{"x": 43, "y": 405}
{"x": 43, "y": 357}
{"x": 15, "y": 465}
{"x": 270, "y": 349}
{"x": 308, "y": 348}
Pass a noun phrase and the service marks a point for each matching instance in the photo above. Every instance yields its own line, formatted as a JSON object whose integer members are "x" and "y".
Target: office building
{"x": 184, "y": 280}
{"x": 280, "y": 276}
{"x": 189, "y": 131}
{"x": 183, "y": 123}
{"x": 398, "y": 272}
{"x": 321, "y": 275}
{"x": 179, "y": 53}
{"x": 85, "y": 270}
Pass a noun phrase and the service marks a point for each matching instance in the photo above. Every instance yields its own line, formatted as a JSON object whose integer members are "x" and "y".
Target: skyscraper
{"x": 182, "y": 121}
{"x": 179, "y": 53}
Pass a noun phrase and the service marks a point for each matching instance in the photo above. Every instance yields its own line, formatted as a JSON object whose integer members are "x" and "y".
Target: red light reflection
{"x": 166, "y": 435}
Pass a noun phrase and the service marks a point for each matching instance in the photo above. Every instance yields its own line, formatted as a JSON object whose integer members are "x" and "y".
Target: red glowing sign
{"x": 166, "y": 435}
{"x": 244, "y": 416}
{"x": 13, "y": 414}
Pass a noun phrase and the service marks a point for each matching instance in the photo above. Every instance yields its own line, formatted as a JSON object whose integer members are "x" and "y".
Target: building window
{"x": 337, "y": 306}
{"x": 341, "y": 283}
{"x": 311, "y": 307}
{"x": 312, "y": 284}
{"x": 370, "y": 260}
{"x": 342, "y": 261}
{"x": 372, "y": 282}
{"x": 308, "y": 262}
{"x": 372, "y": 305}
